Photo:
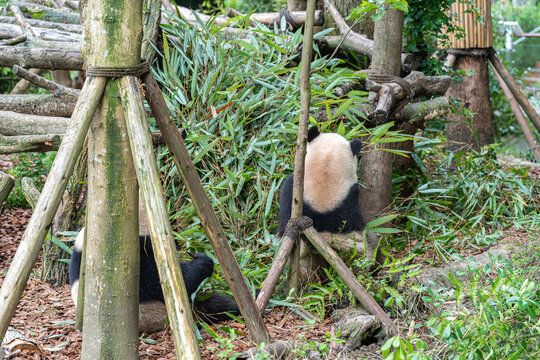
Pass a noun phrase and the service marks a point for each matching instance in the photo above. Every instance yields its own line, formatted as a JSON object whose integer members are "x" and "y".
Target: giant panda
{"x": 331, "y": 188}
{"x": 152, "y": 310}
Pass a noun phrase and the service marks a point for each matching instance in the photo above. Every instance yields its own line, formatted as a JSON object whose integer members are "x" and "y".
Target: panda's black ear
{"x": 356, "y": 146}
{"x": 313, "y": 132}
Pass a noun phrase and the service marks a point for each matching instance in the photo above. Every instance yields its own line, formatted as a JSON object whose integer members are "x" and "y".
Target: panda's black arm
{"x": 285, "y": 204}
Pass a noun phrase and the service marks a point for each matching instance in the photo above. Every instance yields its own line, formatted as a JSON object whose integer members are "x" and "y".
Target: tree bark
{"x": 376, "y": 170}
{"x": 49, "y": 14}
{"x": 39, "y": 105}
{"x": 70, "y": 28}
{"x": 474, "y": 129}
{"x": 110, "y": 320}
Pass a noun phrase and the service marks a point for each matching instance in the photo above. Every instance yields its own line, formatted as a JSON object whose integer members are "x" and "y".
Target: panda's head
{"x": 330, "y": 169}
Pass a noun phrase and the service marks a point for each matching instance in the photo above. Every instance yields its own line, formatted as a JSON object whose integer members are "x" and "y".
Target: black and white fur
{"x": 331, "y": 188}
{"x": 152, "y": 311}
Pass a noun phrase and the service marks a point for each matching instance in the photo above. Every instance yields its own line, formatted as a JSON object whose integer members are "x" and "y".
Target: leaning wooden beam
{"x": 30, "y": 191}
{"x": 290, "y": 238}
{"x": 14, "y": 124}
{"x": 29, "y": 143}
{"x": 23, "y": 85}
{"x": 58, "y": 90}
{"x": 348, "y": 277}
{"x": 514, "y": 88}
{"x": 174, "y": 290}
{"x": 41, "y": 105}
{"x": 49, "y": 14}
{"x": 74, "y": 28}
{"x": 37, "y": 228}
{"x": 41, "y": 58}
{"x": 6, "y": 184}
{"x": 301, "y": 141}
{"x": 206, "y": 213}
{"x": 522, "y": 121}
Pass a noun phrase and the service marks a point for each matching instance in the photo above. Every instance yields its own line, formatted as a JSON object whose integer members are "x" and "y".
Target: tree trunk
{"x": 474, "y": 130}
{"x": 112, "y": 256}
{"x": 376, "y": 171}
{"x": 6, "y": 184}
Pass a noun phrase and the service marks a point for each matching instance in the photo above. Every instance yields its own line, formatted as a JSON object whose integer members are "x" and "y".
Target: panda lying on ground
{"x": 331, "y": 187}
{"x": 152, "y": 311}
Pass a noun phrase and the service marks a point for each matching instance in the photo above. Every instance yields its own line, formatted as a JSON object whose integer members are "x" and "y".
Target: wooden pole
{"x": 348, "y": 277}
{"x": 522, "y": 121}
{"x": 111, "y": 38}
{"x": 52, "y": 192}
{"x": 206, "y": 213}
{"x": 174, "y": 289}
{"x": 514, "y": 88}
{"x": 301, "y": 142}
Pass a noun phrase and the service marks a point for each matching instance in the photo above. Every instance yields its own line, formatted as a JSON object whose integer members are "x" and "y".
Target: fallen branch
{"x": 52, "y": 59}
{"x": 42, "y": 105}
{"x": 49, "y": 14}
{"x": 73, "y": 28}
{"x": 12, "y": 30}
{"x": 58, "y": 90}
{"x": 23, "y": 85}
{"x": 29, "y": 143}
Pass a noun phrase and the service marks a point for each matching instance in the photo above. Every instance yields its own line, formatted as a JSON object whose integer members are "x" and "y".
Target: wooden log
{"x": 348, "y": 277}
{"x": 26, "y": 29}
{"x": 514, "y": 88}
{"x": 73, "y": 28}
{"x": 36, "y": 230}
{"x": 385, "y": 103}
{"x": 174, "y": 290}
{"x": 522, "y": 121}
{"x": 6, "y": 184}
{"x": 41, "y": 105}
{"x": 299, "y": 17}
{"x": 301, "y": 141}
{"x": 58, "y": 90}
{"x": 13, "y": 124}
{"x": 41, "y": 58}
{"x": 14, "y": 41}
{"x": 424, "y": 110}
{"x": 49, "y": 14}
{"x": 29, "y": 143}
{"x": 209, "y": 220}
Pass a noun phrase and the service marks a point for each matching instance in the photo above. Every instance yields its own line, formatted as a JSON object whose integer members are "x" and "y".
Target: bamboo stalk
{"x": 514, "y": 88}
{"x": 301, "y": 142}
{"x": 37, "y": 228}
{"x": 522, "y": 121}
{"x": 209, "y": 220}
{"x": 348, "y": 277}
{"x": 174, "y": 290}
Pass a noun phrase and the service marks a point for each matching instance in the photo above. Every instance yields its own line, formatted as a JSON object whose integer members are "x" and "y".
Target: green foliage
{"x": 465, "y": 199}
{"x": 33, "y": 165}
{"x": 239, "y": 102}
